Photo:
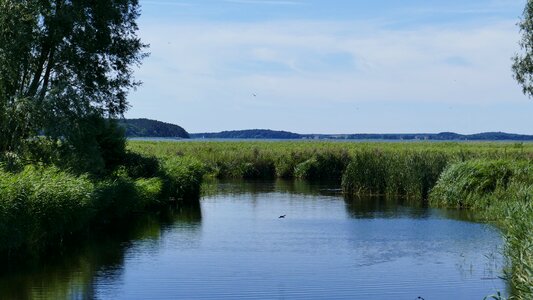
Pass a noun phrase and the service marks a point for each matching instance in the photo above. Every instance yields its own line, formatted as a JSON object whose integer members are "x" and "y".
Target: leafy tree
{"x": 523, "y": 62}
{"x": 63, "y": 64}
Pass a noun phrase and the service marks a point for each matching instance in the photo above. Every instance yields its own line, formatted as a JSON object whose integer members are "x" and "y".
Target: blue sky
{"x": 335, "y": 66}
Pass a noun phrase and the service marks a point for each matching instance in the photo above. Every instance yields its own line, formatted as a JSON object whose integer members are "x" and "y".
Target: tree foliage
{"x": 152, "y": 128}
{"x": 64, "y": 63}
{"x": 523, "y": 62}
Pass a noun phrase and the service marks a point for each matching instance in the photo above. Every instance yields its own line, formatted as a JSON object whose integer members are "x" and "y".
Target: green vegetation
{"x": 65, "y": 71}
{"x": 41, "y": 206}
{"x": 495, "y": 179}
{"x": 443, "y": 136}
{"x": 522, "y": 71}
{"x": 502, "y": 190}
{"x": 399, "y": 173}
{"x": 152, "y": 128}
{"x": 249, "y": 134}
{"x": 38, "y": 206}
{"x": 328, "y": 160}
{"x": 63, "y": 64}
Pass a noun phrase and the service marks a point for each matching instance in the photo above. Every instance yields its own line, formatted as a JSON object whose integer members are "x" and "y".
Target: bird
{"x": 282, "y": 217}
{"x": 254, "y": 95}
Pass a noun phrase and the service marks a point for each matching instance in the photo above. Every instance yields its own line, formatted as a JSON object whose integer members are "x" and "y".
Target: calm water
{"x": 233, "y": 245}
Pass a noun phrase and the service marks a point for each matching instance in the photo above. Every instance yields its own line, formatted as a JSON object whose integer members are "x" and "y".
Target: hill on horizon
{"x": 249, "y": 134}
{"x": 152, "y": 128}
{"x": 443, "y": 136}
{"x": 156, "y": 129}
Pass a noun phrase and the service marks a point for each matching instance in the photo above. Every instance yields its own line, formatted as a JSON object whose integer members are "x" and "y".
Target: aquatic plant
{"x": 39, "y": 206}
{"x": 502, "y": 190}
{"x": 42, "y": 205}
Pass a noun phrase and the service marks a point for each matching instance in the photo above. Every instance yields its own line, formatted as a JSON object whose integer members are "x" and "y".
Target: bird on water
{"x": 282, "y": 217}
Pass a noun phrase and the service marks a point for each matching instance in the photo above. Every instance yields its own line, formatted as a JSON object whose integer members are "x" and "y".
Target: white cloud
{"x": 268, "y": 2}
{"x": 288, "y": 62}
{"x": 165, "y": 3}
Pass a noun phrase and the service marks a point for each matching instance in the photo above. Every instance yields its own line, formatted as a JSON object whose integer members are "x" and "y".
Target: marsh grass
{"x": 328, "y": 160}
{"x": 40, "y": 206}
{"x": 182, "y": 177}
{"x": 395, "y": 173}
{"x": 502, "y": 190}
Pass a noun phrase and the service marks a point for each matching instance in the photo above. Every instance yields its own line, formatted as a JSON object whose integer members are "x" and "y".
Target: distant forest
{"x": 444, "y": 136}
{"x": 249, "y": 134}
{"x": 152, "y": 128}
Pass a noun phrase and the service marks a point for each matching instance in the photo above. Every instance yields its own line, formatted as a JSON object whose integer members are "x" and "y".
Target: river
{"x": 234, "y": 245}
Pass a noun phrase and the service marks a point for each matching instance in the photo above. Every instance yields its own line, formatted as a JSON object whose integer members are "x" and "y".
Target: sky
{"x": 332, "y": 66}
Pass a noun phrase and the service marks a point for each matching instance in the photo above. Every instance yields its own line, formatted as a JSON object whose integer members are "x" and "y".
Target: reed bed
{"x": 314, "y": 160}
{"x": 502, "y": 190}
{"x": 41, "y": 206}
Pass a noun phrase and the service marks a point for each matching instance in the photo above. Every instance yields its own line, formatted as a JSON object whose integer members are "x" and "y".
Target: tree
{"x": 63, "y": 62}
{"x": 523, "y": 62}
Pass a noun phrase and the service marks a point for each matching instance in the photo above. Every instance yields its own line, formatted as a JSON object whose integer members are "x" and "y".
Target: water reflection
{"x": 232, "y": 245}
{"x": 71, "y": 274}
{"x": 386, "y": 207}
{"x": 254, "y": 187}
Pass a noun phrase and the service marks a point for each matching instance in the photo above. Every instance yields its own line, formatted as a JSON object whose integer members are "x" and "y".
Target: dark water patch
{"x": 70, "y": 272}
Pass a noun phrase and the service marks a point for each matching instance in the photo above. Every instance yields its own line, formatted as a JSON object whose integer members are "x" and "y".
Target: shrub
{"x": 149, "y": 191}
{"x": 140, "y": 166}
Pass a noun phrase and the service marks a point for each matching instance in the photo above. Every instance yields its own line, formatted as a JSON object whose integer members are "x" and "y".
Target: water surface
{"x": 234, "y": 245}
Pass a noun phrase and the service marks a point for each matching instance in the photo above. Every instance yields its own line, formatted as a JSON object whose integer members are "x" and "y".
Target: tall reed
{"x": 41, "y": 206}
{"x": 407, "y": 173}
{"x": 502, "y": 190}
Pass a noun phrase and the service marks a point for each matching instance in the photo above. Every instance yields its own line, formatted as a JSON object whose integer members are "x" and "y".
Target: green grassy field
{"x": 493, "y": 179}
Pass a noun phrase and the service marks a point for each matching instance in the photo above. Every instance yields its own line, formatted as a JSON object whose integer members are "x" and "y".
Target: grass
{"x": 41, "y": 206}
{"x": 493, "y": 178}
{"x": 396, "y": 173}
{"x": 316, "y": 160}
{"x": 502, "y": 190}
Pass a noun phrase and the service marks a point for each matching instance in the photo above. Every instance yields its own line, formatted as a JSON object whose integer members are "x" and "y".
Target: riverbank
{"x": 497, "y": 178}
{"x": 502, "y": 190}
{"x": 41, "y": 206}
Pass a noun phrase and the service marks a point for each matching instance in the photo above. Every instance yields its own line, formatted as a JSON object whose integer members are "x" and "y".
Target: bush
{"x": 366, "y": 174}
{"x": 149, "y": 191}
{"x": 115, "y": 199}
{"x": 40, "y": 206}
{"x": 140, "y": 166}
